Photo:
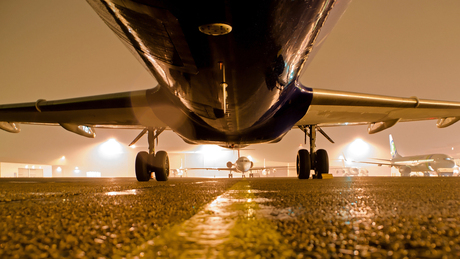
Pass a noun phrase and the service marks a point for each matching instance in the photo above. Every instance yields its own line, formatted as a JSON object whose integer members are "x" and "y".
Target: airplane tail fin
{"x": 394, "y": 152}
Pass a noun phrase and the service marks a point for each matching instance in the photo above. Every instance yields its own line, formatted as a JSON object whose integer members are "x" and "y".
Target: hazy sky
{"x": 62, "y": 49}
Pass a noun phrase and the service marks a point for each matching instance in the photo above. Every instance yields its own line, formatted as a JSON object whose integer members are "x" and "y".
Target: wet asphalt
{"x": 372, "y": 217}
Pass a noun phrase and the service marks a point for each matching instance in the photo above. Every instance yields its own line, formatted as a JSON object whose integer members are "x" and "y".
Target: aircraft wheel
{"x": 322, "y": 163}
{"x": 426, "y": 174}
{"x": 161, "y": 166}
{"x": 303, "y": 164}
{"x": 142, "y": 167}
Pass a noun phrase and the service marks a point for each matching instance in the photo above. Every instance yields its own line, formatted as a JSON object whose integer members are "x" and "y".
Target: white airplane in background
{"x": 345, "y": 170}
{"x": 420, "y": 163}
{"x": 242, "y": 165}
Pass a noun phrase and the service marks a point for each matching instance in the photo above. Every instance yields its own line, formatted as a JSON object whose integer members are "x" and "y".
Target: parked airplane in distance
{"x": 242, "y": 165}
{"x": 345, "y": 170}
{"x": 228, "y": 74}
{"x": 420, "y": 163}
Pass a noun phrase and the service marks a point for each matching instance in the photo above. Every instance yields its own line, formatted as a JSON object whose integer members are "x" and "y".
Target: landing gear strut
{"x": 317, "y": 160}
{"x": 149, "y": 162}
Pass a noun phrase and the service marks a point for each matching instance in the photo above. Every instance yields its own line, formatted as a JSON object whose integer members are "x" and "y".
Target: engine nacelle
{"x": 405, "y": 170}
{"x": 229, "y": 164}
{"x": 252, "y": 164}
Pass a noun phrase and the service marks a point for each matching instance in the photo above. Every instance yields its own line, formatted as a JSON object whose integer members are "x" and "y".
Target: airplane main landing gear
{"x": 303, "y": 164}
{"x": 321, "y": 163}
{"x": 149, "y": 162}
{"x": 143, "y": 166}
{"x": 317, "y": 160}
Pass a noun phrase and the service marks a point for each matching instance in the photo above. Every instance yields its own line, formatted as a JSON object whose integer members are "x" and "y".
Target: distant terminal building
{"x": 20, "y": 170}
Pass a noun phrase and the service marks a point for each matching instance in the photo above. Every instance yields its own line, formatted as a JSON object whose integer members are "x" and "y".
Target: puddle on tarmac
{"x": 126, "y": 192}
{"x": 250, "y": 191}
{"x": 22, "y": 182}
{"x": 45, "y": 193}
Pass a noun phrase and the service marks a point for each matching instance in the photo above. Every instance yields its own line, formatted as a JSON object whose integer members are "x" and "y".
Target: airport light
{"x": 110, "y": 149}
{"x": 358, "y": 149}
{"x": 76, "y": 170}
{"x": 211, "y": 152}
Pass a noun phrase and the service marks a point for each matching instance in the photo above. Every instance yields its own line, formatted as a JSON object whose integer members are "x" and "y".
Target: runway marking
{"x": 221, "y": 229}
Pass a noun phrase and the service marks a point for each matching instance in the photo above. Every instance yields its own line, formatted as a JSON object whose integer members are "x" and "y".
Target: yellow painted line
{"x": 228, "y": 227}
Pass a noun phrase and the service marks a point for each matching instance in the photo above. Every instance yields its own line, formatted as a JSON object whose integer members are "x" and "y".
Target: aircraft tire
{"x": 142, "y": 167}
{"x": 303, "y": 164}
{"x": 322, "y": 163}
{"x": 161, "y": 165}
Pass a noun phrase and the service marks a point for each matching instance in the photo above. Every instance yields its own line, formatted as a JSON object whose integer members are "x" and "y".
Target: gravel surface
{"x": 367, "y": 217}
{"x": 277, "y": 217}
{"x": 94, "y": 218}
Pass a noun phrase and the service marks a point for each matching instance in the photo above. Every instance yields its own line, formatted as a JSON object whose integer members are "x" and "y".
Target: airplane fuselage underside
{"x": 219, "y": 86}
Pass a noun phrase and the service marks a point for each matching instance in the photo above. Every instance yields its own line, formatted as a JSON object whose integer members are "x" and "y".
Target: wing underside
{"x": 120, "y": 110}
{"x": 335, "y": 108}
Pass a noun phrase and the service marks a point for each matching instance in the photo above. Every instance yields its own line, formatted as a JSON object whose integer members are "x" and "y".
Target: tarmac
{"x": 361, "y": 217}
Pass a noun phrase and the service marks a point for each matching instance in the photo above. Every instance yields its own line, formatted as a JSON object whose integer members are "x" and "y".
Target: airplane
{"x": 345, "y": 170}
{"x": 419, "y": 163}
{"x": 227, "y": 75}
{"x": 242, "y": 165}
{"x": 351, "y": 171}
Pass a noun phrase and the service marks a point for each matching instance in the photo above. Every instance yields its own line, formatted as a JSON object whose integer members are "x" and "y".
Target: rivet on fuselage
{"x": 215, "y": 29}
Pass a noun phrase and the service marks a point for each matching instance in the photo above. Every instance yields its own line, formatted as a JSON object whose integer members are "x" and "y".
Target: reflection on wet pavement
{"x": 126, "y": 192}
{"x": 231, "y": 218}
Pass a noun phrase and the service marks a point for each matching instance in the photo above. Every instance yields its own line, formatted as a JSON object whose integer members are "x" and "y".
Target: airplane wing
{"x": 212, "y": 168}
{"x": 335, "y": 108}
{"x": 119, "y": 110}
{"x": 270, "y": 167}
{"x": 375, "y": 163}
{"x": 395, "y": 164}
{"x": 234, "y": 169}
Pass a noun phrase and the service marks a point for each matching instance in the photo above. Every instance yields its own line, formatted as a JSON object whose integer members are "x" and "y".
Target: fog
{"x": 55, "y": 49}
